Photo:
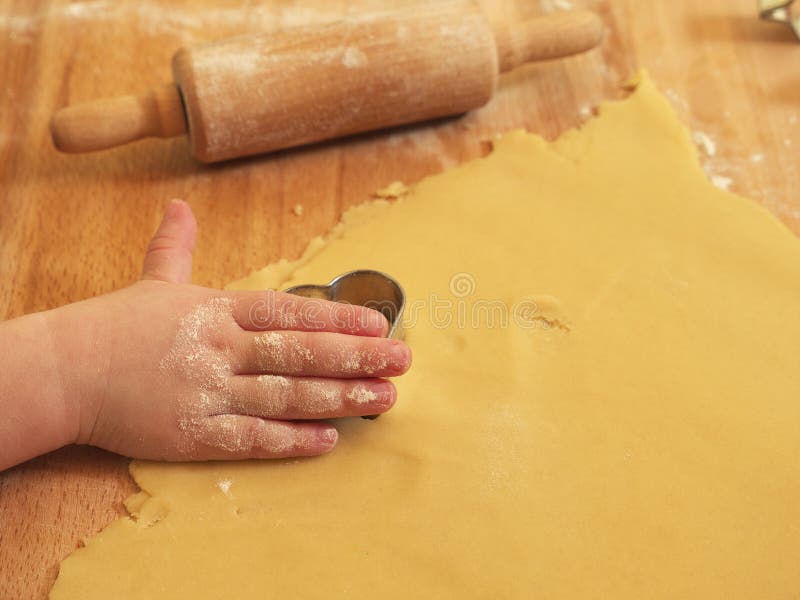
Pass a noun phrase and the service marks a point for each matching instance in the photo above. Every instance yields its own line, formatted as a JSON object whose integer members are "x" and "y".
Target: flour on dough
{"x": 647, "y": 449}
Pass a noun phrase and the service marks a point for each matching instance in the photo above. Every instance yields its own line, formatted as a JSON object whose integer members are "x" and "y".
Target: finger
{"x": 319, "y": 355}
{"x": 169, "y": 254}
{"x": 235, "y": 437}
{"x": 279, "y": 397}
{"x": 270, "y": 310}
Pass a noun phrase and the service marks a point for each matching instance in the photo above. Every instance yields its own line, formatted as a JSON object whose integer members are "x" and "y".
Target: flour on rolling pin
{"x": 263, "y": 92}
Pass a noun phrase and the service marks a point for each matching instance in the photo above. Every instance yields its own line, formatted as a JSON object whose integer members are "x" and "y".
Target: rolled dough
{"x": 632, "y": 430}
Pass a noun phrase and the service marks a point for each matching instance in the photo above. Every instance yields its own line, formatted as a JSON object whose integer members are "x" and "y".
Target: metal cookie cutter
{"x": 364, "y": 287}
{"x": 372, "y": 289}
{"x": 780, "y": 11}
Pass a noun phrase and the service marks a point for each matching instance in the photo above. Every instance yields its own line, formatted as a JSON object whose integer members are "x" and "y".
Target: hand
{"x": 170, "y": 371}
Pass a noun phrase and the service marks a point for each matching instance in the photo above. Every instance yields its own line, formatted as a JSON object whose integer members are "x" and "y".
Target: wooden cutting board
{"x": 72, "y": 227}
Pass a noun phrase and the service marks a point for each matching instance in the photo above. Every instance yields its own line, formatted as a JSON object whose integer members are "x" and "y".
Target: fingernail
{"x": 400, "y": 356}
{"x": 373, "y": 395}
{"x": 174, "y": 206}
{"x": 385, "y": 395}
{"x": 329, "y": 437}
{"x": 374, "y": 321}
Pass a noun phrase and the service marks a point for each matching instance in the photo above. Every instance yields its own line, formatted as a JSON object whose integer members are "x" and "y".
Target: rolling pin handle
{"x": 111, "y": 122}
{"x": 544, "y": 38}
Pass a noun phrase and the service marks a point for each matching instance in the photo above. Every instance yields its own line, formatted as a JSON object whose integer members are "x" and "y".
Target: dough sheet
{"x": 604, "y": 402}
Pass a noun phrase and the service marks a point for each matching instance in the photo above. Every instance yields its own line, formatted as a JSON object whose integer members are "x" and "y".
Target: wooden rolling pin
{"x": 262, "y": 92}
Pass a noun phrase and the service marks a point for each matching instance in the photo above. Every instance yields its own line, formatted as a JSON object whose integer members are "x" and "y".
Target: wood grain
{"x": 76, "y": 226}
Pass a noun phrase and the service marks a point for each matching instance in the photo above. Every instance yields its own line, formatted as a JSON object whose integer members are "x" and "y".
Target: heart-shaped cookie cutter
{"x": 363, "y": 287}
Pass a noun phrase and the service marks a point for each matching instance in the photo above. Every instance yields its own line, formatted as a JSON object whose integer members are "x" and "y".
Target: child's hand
{"x": 167, "y": 370}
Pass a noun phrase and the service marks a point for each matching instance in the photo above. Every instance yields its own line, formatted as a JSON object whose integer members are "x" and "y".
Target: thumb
{"x": 169, "y": 255}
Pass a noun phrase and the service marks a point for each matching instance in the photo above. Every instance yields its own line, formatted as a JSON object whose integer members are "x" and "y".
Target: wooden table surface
{"x": 72, "y": 227}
